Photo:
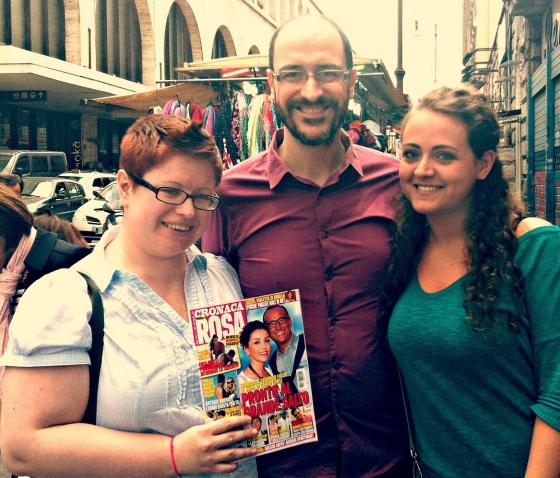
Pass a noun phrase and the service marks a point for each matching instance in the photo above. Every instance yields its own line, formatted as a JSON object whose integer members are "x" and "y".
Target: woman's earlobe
{"x": 487, "y": 161}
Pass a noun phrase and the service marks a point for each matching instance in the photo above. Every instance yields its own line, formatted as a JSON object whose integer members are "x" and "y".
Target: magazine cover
{"x": 253, "y": 361}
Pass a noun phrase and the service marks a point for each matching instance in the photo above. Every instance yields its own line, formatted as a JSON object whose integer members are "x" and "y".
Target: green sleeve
{"x": 538, "y": 259}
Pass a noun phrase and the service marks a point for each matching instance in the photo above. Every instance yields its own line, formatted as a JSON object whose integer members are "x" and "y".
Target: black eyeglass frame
{"x": 274, "y": 324}
{"x": 213, "y": 198}
{"x": 344, "y": 77}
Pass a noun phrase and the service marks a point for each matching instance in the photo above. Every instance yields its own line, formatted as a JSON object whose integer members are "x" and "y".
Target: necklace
{"x": 255, "y": 372}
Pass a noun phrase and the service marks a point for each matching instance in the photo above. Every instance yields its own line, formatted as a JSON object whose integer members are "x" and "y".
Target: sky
{"x": 428, "y": 61}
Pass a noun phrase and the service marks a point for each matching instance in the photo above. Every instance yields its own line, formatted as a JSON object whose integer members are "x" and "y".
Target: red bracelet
{"x": 173, "y": 462}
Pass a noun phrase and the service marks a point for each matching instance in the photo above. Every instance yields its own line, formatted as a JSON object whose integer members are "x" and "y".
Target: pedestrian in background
{"x": 475, "y": 300}
{"x": 26, "y": 254}
{"x": 315, "y": 212}
{"x": 149, "y": 420}
{"x": 13, "y": 181}
{"x": 64, "y": 229}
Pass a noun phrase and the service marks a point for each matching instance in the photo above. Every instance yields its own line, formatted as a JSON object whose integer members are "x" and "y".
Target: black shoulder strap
{"x": 299, "y": 354}
{"x": 97, "y": 324}
{"x": 272, "y": 363}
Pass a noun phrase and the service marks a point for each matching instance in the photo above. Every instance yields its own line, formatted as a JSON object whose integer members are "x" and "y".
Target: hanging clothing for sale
{"x": 222, "y": 130}
{"x": 209, "y": 118}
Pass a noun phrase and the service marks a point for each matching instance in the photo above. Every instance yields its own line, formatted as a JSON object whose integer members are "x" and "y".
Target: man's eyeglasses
{"x": 275, "y": 323}
{"x": 204, "y": 202}
{"x": 300, "y": 77}
{"x": 229, "y": 382}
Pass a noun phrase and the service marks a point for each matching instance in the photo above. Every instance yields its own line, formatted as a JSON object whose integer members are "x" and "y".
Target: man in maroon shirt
{"x": 315, "y": 212}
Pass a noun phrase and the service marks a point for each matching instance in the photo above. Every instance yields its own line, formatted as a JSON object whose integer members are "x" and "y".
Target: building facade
{"x": 56, "y": 53}
{"x": 521, "y": 74}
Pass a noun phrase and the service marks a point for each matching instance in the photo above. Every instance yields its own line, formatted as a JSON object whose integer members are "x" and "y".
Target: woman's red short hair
{"x": 151, "y": 138}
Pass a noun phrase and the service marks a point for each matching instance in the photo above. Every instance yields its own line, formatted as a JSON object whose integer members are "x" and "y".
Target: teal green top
{"x": 473, "y": 397}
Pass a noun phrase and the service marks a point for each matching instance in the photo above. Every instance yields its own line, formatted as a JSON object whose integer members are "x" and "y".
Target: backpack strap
{"x": 97, "y": 324}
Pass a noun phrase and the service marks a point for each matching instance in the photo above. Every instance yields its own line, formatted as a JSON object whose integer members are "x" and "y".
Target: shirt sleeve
{"x": 541, "y": 272}
{"x": 51, "y": 323}
{"x": 213, "y": 239}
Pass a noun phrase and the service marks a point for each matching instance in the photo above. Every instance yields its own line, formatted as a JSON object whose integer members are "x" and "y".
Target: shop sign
{"x": 23, "y": 95}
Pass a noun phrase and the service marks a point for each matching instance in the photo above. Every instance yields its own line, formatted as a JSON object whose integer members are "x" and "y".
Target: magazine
{"x": 243, "y": 371}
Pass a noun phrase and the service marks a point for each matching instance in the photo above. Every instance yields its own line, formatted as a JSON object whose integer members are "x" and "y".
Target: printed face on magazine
{"x": 279, "y": 324}
{"x": 259, "y": 346}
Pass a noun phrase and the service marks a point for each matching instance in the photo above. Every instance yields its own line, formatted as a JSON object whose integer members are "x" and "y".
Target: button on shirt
{"x": 283, "y": 232}
{"x": 149, "y": 380}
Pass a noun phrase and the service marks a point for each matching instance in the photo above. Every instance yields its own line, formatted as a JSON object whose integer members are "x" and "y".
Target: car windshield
{"x": 4, "y": 158}
{"x": 111, "y": 194}
{"x": 37, "y": 187}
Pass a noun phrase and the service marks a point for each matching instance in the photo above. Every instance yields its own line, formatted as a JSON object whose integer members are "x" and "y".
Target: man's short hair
{"x": 345, "y": 41}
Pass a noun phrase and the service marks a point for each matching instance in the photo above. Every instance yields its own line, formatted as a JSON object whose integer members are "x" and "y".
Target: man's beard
{"x": 317, "y": 139}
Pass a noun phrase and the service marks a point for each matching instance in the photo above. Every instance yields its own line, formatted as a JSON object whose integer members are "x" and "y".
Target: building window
{"x": 219, "y": 49}
{"x": 119, "y": 48}
{"x": 177, "y": 42}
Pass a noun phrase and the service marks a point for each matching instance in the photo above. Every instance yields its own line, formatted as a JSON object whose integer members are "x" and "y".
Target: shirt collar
{"x": 101, "y": 271}
{"x": 277, "y": 169}
{"x": 292, "y": 345}
{"x": 95, "y": 265}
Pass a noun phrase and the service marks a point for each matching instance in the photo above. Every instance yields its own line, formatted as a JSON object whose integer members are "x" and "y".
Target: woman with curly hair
{"x": 473, "y": 297}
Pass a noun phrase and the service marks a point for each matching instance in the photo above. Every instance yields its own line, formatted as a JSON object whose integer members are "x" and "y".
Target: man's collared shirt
{"x": 282, "y": 232}
{"x": 285, "y": 361}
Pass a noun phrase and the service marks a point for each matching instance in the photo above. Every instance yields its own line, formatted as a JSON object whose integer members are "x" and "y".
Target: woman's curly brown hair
{"x": 490, "y": 225}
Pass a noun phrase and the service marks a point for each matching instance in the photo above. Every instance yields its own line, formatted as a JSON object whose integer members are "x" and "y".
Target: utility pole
{"x": 435, "y": 53}
{"x": 399, "y": 72}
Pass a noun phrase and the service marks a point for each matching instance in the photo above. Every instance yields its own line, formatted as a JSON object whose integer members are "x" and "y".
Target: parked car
{"x": 90, "y": 180}
{"x": 58, "y": 195}
{"x": 33, "y": 163}
{"x": 99, "y": 213}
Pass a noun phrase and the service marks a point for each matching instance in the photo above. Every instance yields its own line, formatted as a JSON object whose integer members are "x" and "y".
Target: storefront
{"x": 41, "y": 107}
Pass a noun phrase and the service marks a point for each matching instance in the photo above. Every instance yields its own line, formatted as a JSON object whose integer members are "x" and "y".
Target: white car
{"x": 92, "y": 219}
{"x": 90, "y": 180}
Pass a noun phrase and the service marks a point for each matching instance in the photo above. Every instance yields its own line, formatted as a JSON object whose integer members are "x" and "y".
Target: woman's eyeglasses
{"x": 204, "y": 202}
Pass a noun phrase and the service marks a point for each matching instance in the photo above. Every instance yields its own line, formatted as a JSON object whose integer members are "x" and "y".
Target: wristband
{"x": 172, "y": 453}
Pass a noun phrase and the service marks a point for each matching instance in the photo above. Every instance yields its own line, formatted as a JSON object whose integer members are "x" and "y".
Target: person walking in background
{"x": 315, "y": 212}
{"x": 26, "y": 254}
{"x": 64, "y": 229}
{"x": 150, "y": 420}
{"x": 474, "y": 293}
{"x": 13, "y": 181}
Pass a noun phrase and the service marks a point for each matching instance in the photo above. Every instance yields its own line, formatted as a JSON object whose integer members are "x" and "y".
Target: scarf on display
{"x": 209, "y": 119}
{"x": 254, "y": 127}
{"x": 9, "y": 279}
